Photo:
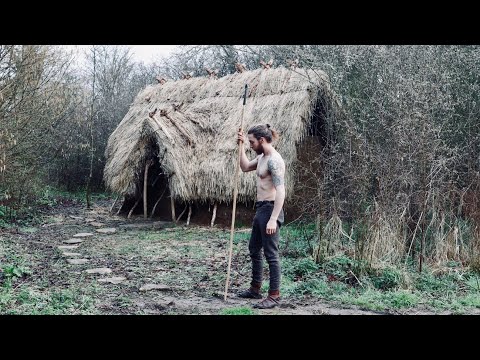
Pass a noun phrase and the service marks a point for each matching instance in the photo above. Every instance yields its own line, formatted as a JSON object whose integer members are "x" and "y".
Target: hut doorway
{"x": 158, "y": 194}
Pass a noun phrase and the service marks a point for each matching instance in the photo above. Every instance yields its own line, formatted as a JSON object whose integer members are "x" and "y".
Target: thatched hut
{"x": 186, "y": 130}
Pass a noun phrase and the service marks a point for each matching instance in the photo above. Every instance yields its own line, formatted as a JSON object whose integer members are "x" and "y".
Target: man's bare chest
{"x": 262, "y": 168}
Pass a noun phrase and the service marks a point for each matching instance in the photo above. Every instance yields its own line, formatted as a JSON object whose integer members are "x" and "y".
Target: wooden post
{"x": 214, "y": 215}
{"x": 181, "y": 214}
{"x": 113, "y": 205}
{"x": 172, "y": 204}
{"x": 155, "y": 206}
{"x": 145, "y": 185}
{"x": 133, "y": 207}
{"x": 121, "y": 206}
{"x": 189, "y": 213}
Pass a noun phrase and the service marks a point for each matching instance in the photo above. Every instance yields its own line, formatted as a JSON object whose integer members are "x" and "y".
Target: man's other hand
{"x": 271, "y": 226}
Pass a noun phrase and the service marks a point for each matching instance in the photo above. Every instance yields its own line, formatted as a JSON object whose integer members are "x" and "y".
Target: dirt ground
{"x": 150, "y": 267}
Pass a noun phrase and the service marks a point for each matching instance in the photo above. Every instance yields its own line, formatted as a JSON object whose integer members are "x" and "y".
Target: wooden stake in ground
{"x": 160, "y": 198}
{"x": 113, "y": 205}
{"x": 121, "y": 206}
{"x": 172, "y": 205}
{"x": 214, "y": 215}
{"x": 133, "y": 207}
{"x": 181, "y": 214}
{"x": 189, "y": 213}
{"x": 145, "y": 184}
{"x": 235, "y": 193}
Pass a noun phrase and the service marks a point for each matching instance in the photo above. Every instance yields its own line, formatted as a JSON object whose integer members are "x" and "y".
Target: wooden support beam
{"x": 151, "y": 115}
{"x": 293, "y": 63}
{"x": 183, "y": 212}
{"x": 267, "y": 65}
{"x": 133, "y": 207}
{"x": 156, "y": 179}
{"x": 187, "y": 76}
{"x": 177, "y": 107}
{"x": 121, "y": 206}
{"x": 214, "y": 215}
{"x": 177, "y": 125}
{"x": 240, "y": 67}
{"x": 161, "y": 80}
{"x": 113, "y": 205}
{"x": 155, "y": 206}
{"x": 212, "y": 73}
{"x": 172, "y": 205}
{"x": 189, "y": 213}
{"x": 145, "y": 186}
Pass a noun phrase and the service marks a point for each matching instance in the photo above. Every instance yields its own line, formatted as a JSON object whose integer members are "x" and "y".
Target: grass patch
{"x": 370, "y": 299}
{"x": 352, "y": 282}
{"x": 29, "y": 210}
{"x": 400, "y": 299}
{"x": 31, "y": 301}
{"x": 238, "y": 311}
{"x": 386, "y": 279}
{"x": 194, "y": 260}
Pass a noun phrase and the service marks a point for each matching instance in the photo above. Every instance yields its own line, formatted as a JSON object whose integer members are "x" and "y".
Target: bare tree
{"x": 34, "y": 99}
{"x": 400, "y": 171}
{"x": 92, "y": 114}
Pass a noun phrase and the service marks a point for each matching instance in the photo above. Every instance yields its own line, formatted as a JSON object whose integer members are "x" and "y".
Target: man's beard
{"x": 259, "y": 151}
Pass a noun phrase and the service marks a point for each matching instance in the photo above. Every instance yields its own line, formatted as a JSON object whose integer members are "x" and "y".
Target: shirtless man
{"x": 270, "y": 169}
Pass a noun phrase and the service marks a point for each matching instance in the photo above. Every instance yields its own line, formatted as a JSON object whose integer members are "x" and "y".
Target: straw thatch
{"x": 194, "y": 125}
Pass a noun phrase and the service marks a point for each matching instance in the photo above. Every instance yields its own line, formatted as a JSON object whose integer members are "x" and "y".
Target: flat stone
{"x": 148, "y": 287}
{"x": 28, "y": 230}
{"x": 80, "y": 235}
{"x": 57, "y": 219}
{"x": 97, "y": 224}
{"x": 72, "y": 241}
{"x": 67, "y": 247}
{"x": 107, "y": 230}
{"x": 100, "y": 271}
{"x": 89, "y": 220}
{"x": 52, "y": 224}
{"x": 77, "y": 261}
{"x": 71, "y": 254}
{"x": 113, "y": 280}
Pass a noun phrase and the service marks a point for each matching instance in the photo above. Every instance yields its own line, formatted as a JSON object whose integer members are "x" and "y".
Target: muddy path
{"x": 108, "y": 264}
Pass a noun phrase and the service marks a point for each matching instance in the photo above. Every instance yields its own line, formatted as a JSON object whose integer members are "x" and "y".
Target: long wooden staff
{"x": 235, "y": 193}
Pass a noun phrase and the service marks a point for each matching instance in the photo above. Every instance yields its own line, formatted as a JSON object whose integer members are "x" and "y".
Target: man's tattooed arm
{"x": 277, "y": 172}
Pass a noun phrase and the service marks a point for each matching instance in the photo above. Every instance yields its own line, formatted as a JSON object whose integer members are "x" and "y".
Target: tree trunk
{"x": 88, "y": 190}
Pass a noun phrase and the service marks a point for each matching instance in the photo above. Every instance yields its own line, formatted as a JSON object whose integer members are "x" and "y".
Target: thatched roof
{"x": 197, "y": 138}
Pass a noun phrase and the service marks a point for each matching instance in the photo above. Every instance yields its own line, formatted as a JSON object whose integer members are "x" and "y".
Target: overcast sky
{"x": 148, "y": 53}
{"x": 145, "y": 53}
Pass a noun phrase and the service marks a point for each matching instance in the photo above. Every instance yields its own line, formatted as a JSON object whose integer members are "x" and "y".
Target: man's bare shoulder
{"x": 276, "y": 157}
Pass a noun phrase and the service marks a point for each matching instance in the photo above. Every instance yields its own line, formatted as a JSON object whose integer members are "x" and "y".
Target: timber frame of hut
{"x": 176, "y": 146}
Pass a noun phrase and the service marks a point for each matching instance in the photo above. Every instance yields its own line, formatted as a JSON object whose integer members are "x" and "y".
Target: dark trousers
{"x": 259, "y": 239}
